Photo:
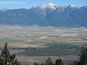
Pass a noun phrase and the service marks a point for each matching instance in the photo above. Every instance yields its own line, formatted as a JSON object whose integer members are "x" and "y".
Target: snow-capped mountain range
{"x": 46, "y": 15}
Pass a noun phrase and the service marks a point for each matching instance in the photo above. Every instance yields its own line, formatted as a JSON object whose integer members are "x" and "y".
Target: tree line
{"x": 6, "y": 58}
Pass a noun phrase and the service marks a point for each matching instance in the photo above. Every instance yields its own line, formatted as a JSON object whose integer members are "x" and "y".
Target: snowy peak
{"x": 72, "y": 6}
{"x": 49, "y": 5}
{"x": 55, "y": 6}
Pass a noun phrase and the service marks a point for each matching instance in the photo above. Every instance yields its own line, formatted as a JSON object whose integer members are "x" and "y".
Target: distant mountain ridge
{"x": 46, "y": 15}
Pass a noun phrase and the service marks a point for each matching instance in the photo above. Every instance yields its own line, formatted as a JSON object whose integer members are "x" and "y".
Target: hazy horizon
{"x": 15, "y": 4}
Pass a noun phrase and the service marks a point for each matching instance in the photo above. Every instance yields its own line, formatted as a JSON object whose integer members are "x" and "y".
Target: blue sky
{"x": 11, "y": 4}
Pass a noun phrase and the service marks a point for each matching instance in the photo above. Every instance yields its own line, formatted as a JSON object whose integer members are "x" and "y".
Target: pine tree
{"x": 48, "y": 62}
{"x": 36, "y": 64}
{"x": 83, "y": 57}
{"x": 5, "y": 55}
{"x": 58, "y": 62}
{"x": 8, "y": 59}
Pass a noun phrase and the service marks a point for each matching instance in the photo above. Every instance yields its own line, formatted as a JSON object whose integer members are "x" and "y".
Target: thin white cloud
{"x": 11, "y": 2}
